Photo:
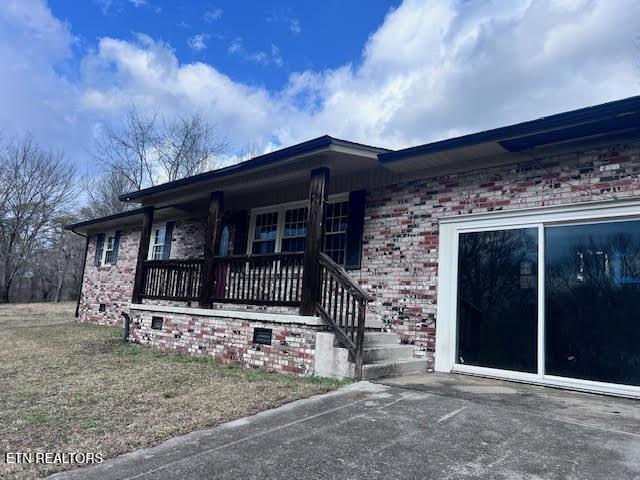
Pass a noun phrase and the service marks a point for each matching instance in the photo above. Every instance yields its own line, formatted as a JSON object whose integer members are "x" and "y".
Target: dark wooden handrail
{"x": 343, "y": 304}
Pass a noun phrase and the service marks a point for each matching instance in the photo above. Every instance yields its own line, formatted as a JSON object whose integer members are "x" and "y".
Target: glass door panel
{"x": 592, "y": 302}
{"x": 497, "y": 309}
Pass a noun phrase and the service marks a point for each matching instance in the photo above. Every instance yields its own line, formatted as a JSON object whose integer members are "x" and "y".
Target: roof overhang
{"x": 513, "y": 142}
{"x": 120, "y": 220}
{"x": 278, "y": 167}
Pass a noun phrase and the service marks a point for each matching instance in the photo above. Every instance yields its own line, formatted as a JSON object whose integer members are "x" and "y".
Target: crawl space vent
{"x": 262, "y": 336}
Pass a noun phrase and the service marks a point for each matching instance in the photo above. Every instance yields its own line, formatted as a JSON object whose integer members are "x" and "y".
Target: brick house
{"x": 512, "y": 253}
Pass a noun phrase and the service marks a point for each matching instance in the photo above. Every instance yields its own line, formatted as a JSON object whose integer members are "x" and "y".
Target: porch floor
{"x": 423, "y": 426}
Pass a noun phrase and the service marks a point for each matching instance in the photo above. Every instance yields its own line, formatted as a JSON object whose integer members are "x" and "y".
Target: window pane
{"x": 336, "y": 219}
{"x": 497, "y": 299}
{"x": 264, "y": 247}
{"x": 295, "y": 230}
{"x": 592, "y": 290}
{"x": 158, "y": 251}
{"x": 266, "y": 226}
{"x": 295, "y": 222}
{"x": 335, "y": 231}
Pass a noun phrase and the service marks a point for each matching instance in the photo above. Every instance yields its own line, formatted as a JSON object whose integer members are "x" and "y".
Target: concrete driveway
{"x": 421, "y": 426}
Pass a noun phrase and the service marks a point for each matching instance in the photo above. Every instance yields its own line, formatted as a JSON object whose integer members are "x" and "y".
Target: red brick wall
{"x": 111, "y": 285}
{"x": 400, "y": 253}
{"x": 230, "y": 340}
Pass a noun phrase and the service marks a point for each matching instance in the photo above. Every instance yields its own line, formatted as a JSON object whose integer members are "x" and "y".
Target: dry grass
{"x": 69, "y": 387}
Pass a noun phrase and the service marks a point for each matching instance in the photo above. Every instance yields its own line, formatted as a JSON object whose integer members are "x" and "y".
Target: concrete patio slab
{"x": 421, "y": 426}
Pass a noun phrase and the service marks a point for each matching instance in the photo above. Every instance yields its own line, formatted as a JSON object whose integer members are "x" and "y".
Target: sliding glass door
{"x": 592, "y": 295}
{"x": 550, "y": 301}
{"x": 498, "y": 299}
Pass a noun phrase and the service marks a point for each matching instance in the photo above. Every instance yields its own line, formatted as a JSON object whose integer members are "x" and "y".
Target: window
{"x": 284, "y": 229}
{"x": 109, "y": 244}
{"x": 265, "y": 233}
{"x": 102, "y": 307}
{"x": 335, "y": 234}
{"x": 156, "y": 247}
{"x": 295, "y": 230}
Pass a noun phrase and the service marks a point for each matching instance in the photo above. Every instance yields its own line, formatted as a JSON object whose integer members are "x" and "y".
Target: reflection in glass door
{"x": 497, "y": 308}
{"x": 592, "y": 302}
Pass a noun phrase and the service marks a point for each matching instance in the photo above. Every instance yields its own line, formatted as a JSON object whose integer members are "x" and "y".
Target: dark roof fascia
{"x": 262, "y": 160}
{"x": 108, "y": 218}
{"x": 583, "y": 115}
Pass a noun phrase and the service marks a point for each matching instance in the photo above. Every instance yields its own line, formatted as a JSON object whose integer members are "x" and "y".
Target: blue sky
{"x": 271, "y": 74}
{"x": 257, "y": 43}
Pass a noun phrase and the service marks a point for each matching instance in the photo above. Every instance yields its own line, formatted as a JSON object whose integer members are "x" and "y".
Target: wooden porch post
{"x": 210, "y": 241}
{"x": 315, "y": 226}
{"x": 143, "y": 252}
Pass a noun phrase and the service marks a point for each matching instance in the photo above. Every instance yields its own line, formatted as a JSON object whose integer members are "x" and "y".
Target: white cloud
{"x": 212, "y": 15}
{"x": 292, "y": 22}
{"x": 432, "y": 70}
{"x": 198, "y": 42}
{"x": 272, "y": 57}
{"x": 138, "y": 3}
{"x": 294, "y": 25}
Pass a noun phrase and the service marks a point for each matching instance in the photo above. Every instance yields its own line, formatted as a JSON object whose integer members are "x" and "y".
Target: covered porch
{"x": 282, "y": 240}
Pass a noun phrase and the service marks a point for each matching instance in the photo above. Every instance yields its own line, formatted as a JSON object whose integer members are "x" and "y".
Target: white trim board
{"x": 232, "y": 314}
{"x": 538, "y": 217}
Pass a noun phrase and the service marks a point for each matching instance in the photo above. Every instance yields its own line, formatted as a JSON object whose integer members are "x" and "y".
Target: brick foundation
{"x": 230, "y": 340}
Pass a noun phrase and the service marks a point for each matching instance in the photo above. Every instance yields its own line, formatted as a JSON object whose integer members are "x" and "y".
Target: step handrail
{"x": 342, "y": 304}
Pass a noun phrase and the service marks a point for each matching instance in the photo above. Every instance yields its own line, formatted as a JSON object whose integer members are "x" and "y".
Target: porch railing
{"x": 268, "y": 279}
{"x": 263, "y": 279}
{"x": 172, "y": 279}
{"x": 343, "y": 305}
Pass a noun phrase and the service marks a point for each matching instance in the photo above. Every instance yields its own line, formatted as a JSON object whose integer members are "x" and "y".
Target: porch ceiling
{"x": 280, "y": 169}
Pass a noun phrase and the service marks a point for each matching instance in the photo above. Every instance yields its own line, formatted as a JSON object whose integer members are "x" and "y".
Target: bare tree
{"x": 62, "y": 258}
{"x": 127, "y": 152}
{"x": 149, "y": 149}
{"x": 102, "y": 192}
{"x": 35, "y": 185}
{"x": 186, "y": 146}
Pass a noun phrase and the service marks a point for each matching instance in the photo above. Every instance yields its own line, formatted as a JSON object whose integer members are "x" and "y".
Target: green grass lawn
{"x": 69, "y": 387}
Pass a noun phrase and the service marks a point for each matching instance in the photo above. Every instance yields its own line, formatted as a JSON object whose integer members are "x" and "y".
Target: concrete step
{"x": 387, "y": 353}
{"x": 373, "y": 324}
{"x": 394, "y": 369}
{"x": 374, "y": 339}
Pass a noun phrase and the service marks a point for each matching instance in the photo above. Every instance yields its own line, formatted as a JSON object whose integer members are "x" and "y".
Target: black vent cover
{"x": 262, "y": 336}
{"x": 156, "y": 323}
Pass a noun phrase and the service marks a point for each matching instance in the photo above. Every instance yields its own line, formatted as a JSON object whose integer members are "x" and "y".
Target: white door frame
{"x": 539, "y": 217}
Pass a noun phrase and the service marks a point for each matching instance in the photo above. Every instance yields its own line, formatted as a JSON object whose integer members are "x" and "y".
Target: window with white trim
{"x": 295, "y": 229}
{"x": 109, "y": 244}
{"x": 265, "y": 232}
{"x": 156, "y": 246}
{"x": 283, "y": 228}
{"x": 335, "y": 231}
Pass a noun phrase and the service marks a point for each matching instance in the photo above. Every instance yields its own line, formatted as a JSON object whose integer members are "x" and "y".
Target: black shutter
{"x": 355, "y": 227}
{"x": 242, "y": 231}
{"x": 99, "y": 247}
{"x": 168, "y": 235}
{"x": 116, "y": 244}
